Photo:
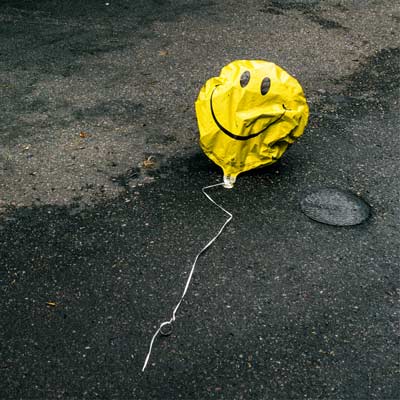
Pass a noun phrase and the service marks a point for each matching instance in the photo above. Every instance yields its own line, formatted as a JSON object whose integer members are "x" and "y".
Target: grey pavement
{"x": 101, "y": 211}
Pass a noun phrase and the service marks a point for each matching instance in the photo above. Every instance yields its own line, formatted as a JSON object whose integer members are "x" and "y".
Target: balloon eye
{"x": 244, "y": 78}
{"x": 265, "y": 84}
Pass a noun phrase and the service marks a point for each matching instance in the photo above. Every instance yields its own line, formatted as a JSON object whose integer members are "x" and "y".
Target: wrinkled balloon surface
{"x": 249, "y": 115}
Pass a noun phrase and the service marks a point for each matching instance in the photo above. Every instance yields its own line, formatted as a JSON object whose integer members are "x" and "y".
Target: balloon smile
{"x": 238, "y": 137}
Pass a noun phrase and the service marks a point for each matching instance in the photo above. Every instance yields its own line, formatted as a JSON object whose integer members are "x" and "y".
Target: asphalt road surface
{"x": 101, "y": 211}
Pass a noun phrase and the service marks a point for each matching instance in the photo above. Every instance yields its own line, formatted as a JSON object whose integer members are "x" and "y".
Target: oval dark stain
{"x": 335, "y": 207}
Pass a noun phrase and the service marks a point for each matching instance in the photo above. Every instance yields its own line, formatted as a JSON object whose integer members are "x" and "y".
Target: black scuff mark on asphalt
{"x": 298, "y": 5}
{"x": 324, "y": 22}
{"x": 155, "y": 137}
{"x": 310, "y": 9}
{"x": 118, "y": 109}
{"x": 271, "y": 10}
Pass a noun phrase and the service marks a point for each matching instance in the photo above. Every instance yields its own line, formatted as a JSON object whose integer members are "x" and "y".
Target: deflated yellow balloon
{"x": 249, "y": 115}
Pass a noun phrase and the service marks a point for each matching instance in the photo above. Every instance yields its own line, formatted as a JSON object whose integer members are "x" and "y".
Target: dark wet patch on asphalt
{"x": 116, "y": 268}
{"x": 142, "y": 9}
{"x": 373, "y": 86}
{"x": 63, "y": 23}
{"x": 377, "y": 75}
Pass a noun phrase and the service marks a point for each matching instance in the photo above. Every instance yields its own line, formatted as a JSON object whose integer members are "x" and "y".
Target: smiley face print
{"x": 249, "y": 115}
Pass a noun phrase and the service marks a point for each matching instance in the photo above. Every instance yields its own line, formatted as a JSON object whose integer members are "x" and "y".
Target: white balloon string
{"x": 173, "y": 318}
